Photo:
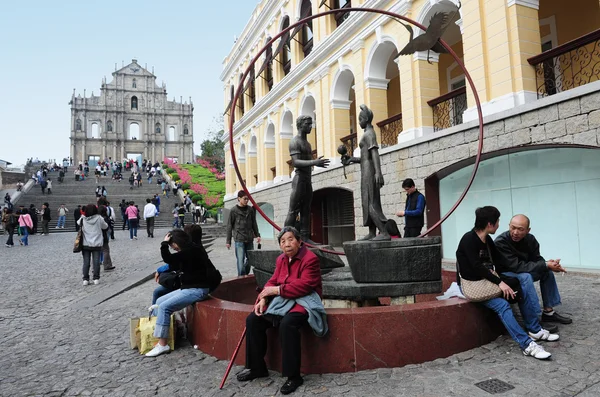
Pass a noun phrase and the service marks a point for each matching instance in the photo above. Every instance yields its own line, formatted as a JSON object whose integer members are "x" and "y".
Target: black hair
{"x": 103, "y": 211}
{"x": 181, "y": 238}
{"x": 90, "y": 210}
{"x": 408, "y": 182}
{"x": 148, "y": 200}
{"x": 195, "y": 232}
{"x": 392, "y": 228}
{"x": 486, "y": 215}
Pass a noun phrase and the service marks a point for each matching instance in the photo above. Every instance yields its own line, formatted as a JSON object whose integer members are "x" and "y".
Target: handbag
{"x": 480, "y": 290}
{"x": 78, "y": 245}
{"x": 170, "y": 280}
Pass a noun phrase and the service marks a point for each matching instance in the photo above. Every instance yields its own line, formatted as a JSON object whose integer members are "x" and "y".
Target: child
{"x": 175, "y": 213}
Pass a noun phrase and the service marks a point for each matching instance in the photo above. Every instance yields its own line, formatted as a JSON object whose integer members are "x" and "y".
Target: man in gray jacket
{"x": 522, "y": 253}
{"x": 243, "y": 227}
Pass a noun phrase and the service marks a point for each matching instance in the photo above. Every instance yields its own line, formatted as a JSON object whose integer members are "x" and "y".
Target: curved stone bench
{"x": 359, "y": 338}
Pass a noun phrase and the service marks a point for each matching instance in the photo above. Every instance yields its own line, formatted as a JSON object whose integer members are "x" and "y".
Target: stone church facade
{"x": 131, "y": 119}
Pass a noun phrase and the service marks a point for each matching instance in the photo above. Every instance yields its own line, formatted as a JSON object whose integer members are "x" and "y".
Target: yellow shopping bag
{"x": 144, "y": 334}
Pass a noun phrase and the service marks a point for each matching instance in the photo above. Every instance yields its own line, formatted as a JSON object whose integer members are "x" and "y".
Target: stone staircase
{"x": 73, "y": 193}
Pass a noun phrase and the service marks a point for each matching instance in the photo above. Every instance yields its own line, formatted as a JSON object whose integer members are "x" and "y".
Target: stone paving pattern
{"x": 50, "y": 347}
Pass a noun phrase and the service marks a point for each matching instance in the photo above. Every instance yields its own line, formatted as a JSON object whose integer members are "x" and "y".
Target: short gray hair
{"x": 287, "y": 229}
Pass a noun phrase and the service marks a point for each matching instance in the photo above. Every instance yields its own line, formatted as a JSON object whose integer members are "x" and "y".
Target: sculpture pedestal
{"x": 405, "y": 260}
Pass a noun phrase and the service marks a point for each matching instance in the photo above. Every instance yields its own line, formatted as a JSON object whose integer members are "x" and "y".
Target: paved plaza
{"x": 58, "y": 340}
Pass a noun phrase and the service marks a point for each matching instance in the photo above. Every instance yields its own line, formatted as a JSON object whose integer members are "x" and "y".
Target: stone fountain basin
{"x": 359, "y": 338}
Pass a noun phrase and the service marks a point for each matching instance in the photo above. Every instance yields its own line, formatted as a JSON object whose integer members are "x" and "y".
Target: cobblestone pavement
{"x": 52, "y": 348}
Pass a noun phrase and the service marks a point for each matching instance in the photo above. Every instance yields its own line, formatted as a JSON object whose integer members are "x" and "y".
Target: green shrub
{"x": 185, "y": 186}
{"x": 196, "y": 197}
{"x": 170, "y": 170}
{"x": 176, "y": 177}
{"x": 164, "y": 166}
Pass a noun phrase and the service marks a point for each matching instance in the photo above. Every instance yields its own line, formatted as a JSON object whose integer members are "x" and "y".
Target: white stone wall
{"x": 571, "y": 117}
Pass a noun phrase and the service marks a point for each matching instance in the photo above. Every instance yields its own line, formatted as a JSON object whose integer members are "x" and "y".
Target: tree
{"x": 213, "y": 149}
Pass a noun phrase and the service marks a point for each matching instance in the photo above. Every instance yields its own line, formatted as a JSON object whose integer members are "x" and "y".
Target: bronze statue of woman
{"x": 371, "y": 178}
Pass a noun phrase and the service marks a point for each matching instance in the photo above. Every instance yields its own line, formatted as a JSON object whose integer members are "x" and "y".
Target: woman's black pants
{"x": 289, "y": 337}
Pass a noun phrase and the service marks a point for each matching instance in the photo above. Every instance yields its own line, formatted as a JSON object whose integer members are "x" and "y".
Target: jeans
{"x": 504, "y": 312}
{"x": 172, "y": 302}
{"x": 95, "y": 257}
{"x": 529, "y": 304}
{"x": 550, "y": 295}
{"x": 133, "y": 225}
{"x": 242, "y": 259}
{"x": 10, "y": 230}
{"x": 158, "y": 292}
{"x": 61, "y": 221}
{"x": 176, "y": 222}
{"x": 25, "y": 235}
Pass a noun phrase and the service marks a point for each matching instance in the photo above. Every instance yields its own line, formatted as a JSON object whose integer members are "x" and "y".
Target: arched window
{"x": 284, "y": 47}
{"x": 134, "y": 103}
{"x": 186, "y": 130}
{"x": 157, "y": 128}
{"x": 307, "y": 28}
{"x": 109, "y": 126}
{"x": 341, "y": 16}
{"x": 134, "y": 83}
{"x": 171, "y": 135}
{"x": 134, "y": 131}
{"x": 95, "y": 134}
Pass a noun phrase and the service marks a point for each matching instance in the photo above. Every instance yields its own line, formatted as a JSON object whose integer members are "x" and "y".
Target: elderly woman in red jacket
{"x": 289, "y": 300}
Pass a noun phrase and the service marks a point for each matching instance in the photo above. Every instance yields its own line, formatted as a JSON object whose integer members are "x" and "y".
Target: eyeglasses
{"x": 244, "y": 198}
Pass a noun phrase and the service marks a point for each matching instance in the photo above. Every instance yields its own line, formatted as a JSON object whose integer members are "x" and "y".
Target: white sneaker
{"x": 543, "y": 334}
{"x": 96, "y": 282}
{"x": 135, "y": 237}
{"x": 86, "y": 282}
{"x": 537, "y": 351}
{"x": 158, "y": 350}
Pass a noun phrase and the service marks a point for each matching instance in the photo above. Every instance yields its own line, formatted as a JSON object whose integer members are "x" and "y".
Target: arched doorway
{"x": 556, "y": 187}
{"x": 382, "y": 83}
{"x": 134, "y": 131}
{"x": 267, "y": 232}
{"x": 343, "y": 106}
{"x": 332, "y": 216}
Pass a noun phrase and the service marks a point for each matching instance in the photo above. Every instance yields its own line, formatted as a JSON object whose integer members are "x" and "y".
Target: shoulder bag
{"x": 480, "y": 290}
{"x": 78, "y": 245}
{"x": 170, "y": 280}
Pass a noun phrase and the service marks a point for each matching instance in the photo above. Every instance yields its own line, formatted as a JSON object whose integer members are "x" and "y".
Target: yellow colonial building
{"x": 536, "y": 68}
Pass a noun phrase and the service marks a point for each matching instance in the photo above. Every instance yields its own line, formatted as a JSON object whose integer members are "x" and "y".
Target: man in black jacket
{"x": 414, "y": 211}
{"x": 243, "y": 228}
{"x": 523, "y": 259}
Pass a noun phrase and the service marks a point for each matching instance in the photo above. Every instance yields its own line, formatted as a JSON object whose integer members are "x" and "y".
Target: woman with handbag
{"x": 478, "y": 265}
{"x": 92, "y": 226}
{"x": 197, "y": 275}
{"x": 25, "y": 225}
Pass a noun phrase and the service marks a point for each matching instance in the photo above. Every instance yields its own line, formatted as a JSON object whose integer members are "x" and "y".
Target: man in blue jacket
{"x": 414, "y": 210}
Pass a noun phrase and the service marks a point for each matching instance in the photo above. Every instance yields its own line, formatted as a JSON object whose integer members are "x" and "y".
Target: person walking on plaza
{"x": 33, "y": 212}
{"x": 11, "y": 222}
{"x": 181, "y": 214}
{"x": 105, "y": 258}
{"x": 156, "y": 202}
{"x": 132, "y": 219}
{"x": 7, "y": 201}
{"x": 414, "y": 210}
{"x": 49, "y": 186}
{"x": 149, "y": 214}
{"x": 25, "y": 224}
{"x": 92, "y": 225}
{"x": 46, "y": 218}
{"x": 62, "y": 216}
{"x": 175, "y": 213}
{"x": 123, "y": 207}
{"x": 243, "y": 228}
{"x": 76, "y": 216}
{"x": 477, "y": 258}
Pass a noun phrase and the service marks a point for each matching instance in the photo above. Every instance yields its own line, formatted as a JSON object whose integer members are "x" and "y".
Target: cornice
{"x": 327, "y": 53}
{"x": 535, "y": 4}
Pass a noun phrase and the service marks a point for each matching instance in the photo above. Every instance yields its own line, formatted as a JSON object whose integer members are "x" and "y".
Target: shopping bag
{"x": 145, "y": 334}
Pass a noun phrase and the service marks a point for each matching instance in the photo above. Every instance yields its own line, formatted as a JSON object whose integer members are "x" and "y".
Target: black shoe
{"x": 106, "y": 269}
{"x": 556, "y": 318}
{"x": 248, "y": 374}
{"x": 291, "y": 385}
{"x": 552, "y": 328}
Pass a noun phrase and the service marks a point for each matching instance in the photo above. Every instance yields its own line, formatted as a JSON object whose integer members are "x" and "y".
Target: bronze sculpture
{"x": 302, "y": 161}
{"x": 371, "y": 178}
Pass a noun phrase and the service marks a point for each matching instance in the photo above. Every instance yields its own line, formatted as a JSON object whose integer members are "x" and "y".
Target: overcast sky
{"x": 49, "y": 48}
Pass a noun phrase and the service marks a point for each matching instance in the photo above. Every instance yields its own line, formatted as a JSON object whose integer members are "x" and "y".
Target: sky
{"x": 49, "y": 48}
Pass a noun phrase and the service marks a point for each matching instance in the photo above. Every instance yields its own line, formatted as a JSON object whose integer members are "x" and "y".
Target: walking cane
{"x": 237, "y": 348}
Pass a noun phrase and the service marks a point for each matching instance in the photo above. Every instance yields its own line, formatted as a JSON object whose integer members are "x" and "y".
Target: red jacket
{"x": 298, "y": 277}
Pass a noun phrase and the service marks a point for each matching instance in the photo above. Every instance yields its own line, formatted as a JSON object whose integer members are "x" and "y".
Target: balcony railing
{"x": 448, "y": 109}
{"x": 350, "y": 142}
{"x": 390, "y": 129}
{"x": 568, "y": 66}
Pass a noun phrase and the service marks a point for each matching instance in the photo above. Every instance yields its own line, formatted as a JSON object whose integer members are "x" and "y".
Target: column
{"x": 376, "y": 100}
{"x": 83, "y": 156}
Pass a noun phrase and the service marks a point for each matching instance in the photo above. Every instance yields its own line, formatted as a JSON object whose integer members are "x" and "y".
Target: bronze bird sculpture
{"x": 429, "y": 41}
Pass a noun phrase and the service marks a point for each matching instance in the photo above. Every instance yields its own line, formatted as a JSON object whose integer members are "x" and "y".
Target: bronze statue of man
{"x": 301, "y": 197}
{"x": 371, "y": 178}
